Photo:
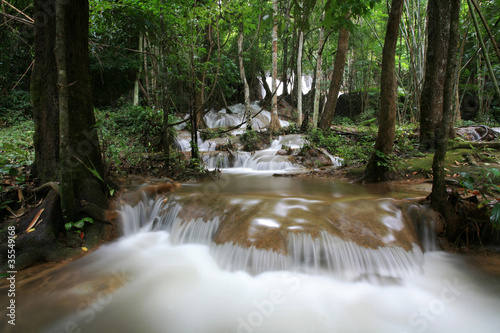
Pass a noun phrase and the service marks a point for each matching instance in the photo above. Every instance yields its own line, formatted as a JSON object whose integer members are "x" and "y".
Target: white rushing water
{"x": 180, "y": 288}
{"x": 166, "y": 283}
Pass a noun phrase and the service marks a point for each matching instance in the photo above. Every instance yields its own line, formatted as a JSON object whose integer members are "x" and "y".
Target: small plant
{"x": 211, "y": 133}
{"x": 77, "y": 227}
{"x": 483, "y": 184}
{"x": 292, "y": 128}
{"x": 250, "y": 139}
{"x": 351, "y": 150}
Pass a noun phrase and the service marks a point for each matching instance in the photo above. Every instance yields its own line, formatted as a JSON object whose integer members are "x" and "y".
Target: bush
{"x": 250, "y": 140}
{"x": 350, "y": 149}
{"x": 15, "y": 107}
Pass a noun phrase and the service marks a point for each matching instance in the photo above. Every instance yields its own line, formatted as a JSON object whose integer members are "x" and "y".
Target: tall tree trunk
{"x": 431, "y": 105}
{"x": 439, "y": 195}
{"x": 284, "y": 71}
{"x": 44, "y": 96}
{"x": 379, "y": 164}
{"x": 299, "y": 78}
{"x": 338, "y": 74}
{"x": 65, "y": 119}
{"x": 244, "y": 78}
{"x": 319, "y": 74}
{"x": 275, "y": 125}
{"x": 68, "y": 204}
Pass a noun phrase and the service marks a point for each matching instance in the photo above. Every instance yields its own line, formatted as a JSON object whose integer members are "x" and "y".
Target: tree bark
{"x": 431, "y": 105}
{"x": 338, "y": 73}
{"x": 379, "y": 164}
{"x": 82, "y": 143}
{"x": 68, "y": 204}
{"x": 243, "y": 77}
{"x": 44, "y": 96}
{"x": 275, "y": 125}
{"x": 319, "y": 74}
{"x": 299, "y": 78}
{"x": 439, "y": 195}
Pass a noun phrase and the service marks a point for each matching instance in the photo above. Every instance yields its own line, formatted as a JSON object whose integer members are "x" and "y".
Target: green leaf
{"x": 13, "y": 172}
{"x": 87, "y": 219}
{"x": 468, "y": 184}
{"x": 495, "y": 215}
{"x": 79, "y": 224}
{"x": 68, "y": 225}
{"x": 495, "y": 172}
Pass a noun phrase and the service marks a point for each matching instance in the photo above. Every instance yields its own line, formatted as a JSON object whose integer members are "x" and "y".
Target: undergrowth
{"x": 130, "y": 134}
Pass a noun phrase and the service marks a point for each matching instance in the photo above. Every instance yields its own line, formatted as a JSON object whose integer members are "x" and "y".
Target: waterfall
{"x": 202, "y": 220}
{"x": 251, "y": 253}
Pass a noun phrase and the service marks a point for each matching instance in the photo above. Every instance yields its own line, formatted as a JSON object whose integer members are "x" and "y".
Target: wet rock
{"x": 315, "y": 158}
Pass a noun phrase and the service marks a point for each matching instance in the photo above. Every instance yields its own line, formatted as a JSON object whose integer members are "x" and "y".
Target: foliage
{"x": 127, "y": 134}
{"x": 250, "y": 139}
{"x": 77, "y": 227}
{"x": 351, "y": 149}
{"x": 212, "y": 133}
{"x": 15, "y": 107}
{"x": 16, "y": 151}
{"x": 406, "y": 140}
{"x": 483, "y": 183}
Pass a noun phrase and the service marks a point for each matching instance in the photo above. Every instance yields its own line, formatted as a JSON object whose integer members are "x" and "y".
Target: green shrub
{"x": 15, "y": 107}
{"x": 250, "y": 140}
{"x": 351, "y": 149}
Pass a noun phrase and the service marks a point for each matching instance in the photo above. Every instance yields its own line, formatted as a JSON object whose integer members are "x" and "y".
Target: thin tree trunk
{"x": 488, "y": 31}
{"x": 284, "y": 75}
{"x": 299, "y": 78}
{"x": 439, "y": 194}
{"x": 379, "y": 164}
{"x": 319, "y": 74}
{"x": 338, "y": 73}
{"x": 275, "y": 125}
{"x": 244, "y": 78}
{"x": 268, "y": 91}
{"x": 483, "y": 47}
{"x": 146, "y": 72}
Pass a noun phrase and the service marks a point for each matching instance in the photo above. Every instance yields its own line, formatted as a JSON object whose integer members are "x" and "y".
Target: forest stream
{"x": 256, "y": 252}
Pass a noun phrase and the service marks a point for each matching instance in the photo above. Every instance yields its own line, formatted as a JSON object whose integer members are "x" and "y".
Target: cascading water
{"x": 255, "y": 253}
{"x": 214, "y": 258}
{"x": 281, "y": 233}
{"x": 215, "y": 153}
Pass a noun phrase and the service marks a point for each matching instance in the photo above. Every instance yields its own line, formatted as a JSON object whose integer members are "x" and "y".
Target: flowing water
{"x": 252, "y": 252}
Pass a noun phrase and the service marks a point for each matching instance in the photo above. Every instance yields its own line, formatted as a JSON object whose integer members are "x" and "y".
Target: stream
{"x": 253, "y": 252}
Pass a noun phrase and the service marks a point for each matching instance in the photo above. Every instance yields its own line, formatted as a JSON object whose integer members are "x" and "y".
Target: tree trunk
{"x": 275, "y": 125}
{"x": 284, "y": 75}
{"x": 83, "y": 144}
{"x": 299, "y": 78}
{"x": 44, "y": 96}
{"x": 319, "y": 74}
{"x": 66, "y": 143}
{"x": 244, "y": 78}
{"x": 379, "y": 164}
{"x": 484, "y": 49}
{"x": 439, "y": 194}
{"x": 268, "y": 91}
{"x": 68, "y": 204}
{"x": 338, "y": 74}
{"x": 431, "y": 105}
